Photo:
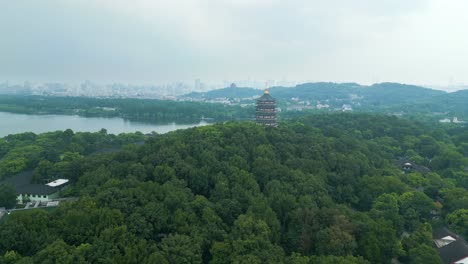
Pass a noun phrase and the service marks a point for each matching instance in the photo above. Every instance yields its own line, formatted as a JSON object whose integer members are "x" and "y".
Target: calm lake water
{"x": 19, "y": 123}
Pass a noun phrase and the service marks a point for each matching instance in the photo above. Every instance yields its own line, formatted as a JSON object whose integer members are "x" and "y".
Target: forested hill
{"x": 385, "y": 93}
{"x": 319, "y": 189}
{"x": 382, "y": 93}
{"x": 150, "y": 110}
{"x": 228, "y": 92}
{"x": 382, "y": 97}
{"x": 453, "y": 102}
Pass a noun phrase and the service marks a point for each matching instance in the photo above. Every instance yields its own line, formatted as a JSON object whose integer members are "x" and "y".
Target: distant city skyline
{"x": 420, "y": 42}
{"x": 177, "y": 87}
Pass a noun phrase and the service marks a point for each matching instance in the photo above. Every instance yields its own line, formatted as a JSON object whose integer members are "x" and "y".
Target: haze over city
{"x": 151, "y": 42}
{"x": 233, "y": 131}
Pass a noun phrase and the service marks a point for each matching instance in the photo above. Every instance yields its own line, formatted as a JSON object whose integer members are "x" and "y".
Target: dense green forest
{"x": 55, "y": 150}
{"x": 131, "y": 109}
{"x": 317, "y": 189}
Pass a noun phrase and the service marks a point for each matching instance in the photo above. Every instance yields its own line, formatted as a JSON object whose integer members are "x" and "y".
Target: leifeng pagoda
{"x": 266, "y": 110}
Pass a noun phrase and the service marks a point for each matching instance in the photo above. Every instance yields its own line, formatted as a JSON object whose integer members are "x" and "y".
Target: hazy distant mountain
{"x": 228, "y": 92}
{"x": 455, "y": 103}
{"x": 395, "y": 93}
{"x": 382, "y": 93}
{"x": 316, "y": 91}
{"x": 389, "y": 97}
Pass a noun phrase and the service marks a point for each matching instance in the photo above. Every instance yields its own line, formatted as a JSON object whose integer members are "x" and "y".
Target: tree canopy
{"x": 319, "y": 189}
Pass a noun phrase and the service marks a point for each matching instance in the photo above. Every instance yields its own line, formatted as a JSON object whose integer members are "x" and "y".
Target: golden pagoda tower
{"x": 265, "y": 113}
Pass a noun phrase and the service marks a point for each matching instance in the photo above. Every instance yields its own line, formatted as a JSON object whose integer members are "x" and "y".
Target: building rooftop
{"x": 266, "y": 97}
{"x": 23, "y": 185}
{"x": 35, "y": 189}
{"x": 453, "y": 252}
{"x": 406, "y": 164}
{"x": 57, "y": 182}
{"x": 451, "y": 248}
{"x": 442, "y": 232}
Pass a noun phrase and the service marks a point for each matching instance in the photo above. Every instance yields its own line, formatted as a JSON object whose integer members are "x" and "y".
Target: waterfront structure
{"x": 265, "y": 113}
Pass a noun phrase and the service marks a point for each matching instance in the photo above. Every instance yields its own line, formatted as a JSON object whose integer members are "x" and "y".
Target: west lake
{"x": 19, "y": 123}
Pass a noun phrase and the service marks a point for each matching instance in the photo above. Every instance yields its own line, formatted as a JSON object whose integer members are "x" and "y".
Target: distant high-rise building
{"x": 197, "y": 85}
{"x": 266, "y": 110}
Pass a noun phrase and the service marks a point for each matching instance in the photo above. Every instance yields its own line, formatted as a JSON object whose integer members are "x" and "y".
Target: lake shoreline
{"x": 14, "y": 123}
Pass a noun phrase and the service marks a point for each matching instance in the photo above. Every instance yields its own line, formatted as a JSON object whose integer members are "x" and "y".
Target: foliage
{"x": 319, "y": 189}
{"x": 131, "y": 109}
{"x": 411, "y": 101}
{"x": 56, "y": 154}
{"x": 7, "y": 196}
{"x": 458, "y": 221}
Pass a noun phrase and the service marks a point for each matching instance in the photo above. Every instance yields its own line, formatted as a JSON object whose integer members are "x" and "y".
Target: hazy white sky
{"x": 143, "y": 41}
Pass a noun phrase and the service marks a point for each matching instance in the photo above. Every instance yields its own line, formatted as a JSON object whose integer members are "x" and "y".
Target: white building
{"x": 33, "y": 192}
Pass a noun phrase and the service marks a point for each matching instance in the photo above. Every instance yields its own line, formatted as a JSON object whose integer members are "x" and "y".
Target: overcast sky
{"x": 150, "y": 41}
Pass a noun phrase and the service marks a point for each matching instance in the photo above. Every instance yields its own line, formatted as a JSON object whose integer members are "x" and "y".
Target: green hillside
{"x": 376, "y": 94}
{"x": 228, "y": 92}
{"x": 319, "y": 189}
{"x": 382, "y": 97}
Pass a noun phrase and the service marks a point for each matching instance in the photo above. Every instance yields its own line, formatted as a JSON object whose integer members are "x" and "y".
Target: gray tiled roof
{"x": 441, "y": 232}
{"x": 452, "y": 252}
{"x": 266, "y": 97}
{"x": 23, "y": 185}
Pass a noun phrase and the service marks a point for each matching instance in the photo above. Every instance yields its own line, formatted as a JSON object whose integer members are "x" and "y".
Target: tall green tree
{"x": 424, "y": 254}
{"x": 7, "y": 195}
{"x": 458, "y": 221}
